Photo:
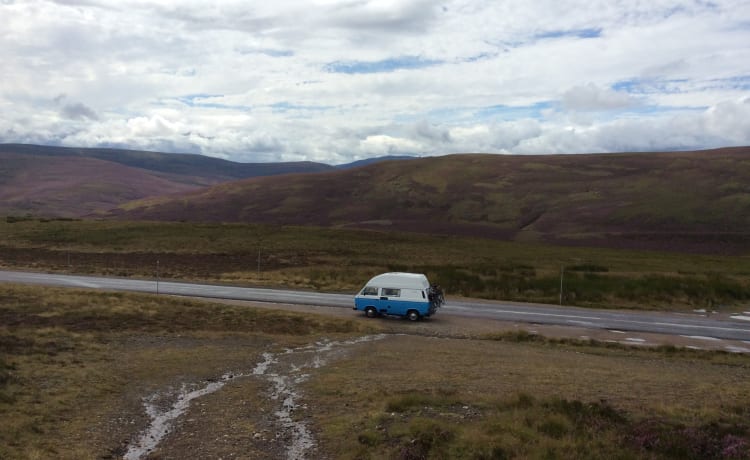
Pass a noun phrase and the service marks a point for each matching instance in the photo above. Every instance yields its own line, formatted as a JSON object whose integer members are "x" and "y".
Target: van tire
{"x": 413, "y": 315}
{"x": 370, "y": 312}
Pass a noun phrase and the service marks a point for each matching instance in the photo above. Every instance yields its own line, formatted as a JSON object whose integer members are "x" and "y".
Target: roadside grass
{"x": 341, "y": 260}
{"x": 414, "y": 397}
{"x": 74, "y": 365}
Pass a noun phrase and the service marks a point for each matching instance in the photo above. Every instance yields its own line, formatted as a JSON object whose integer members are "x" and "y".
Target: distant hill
{"x": 70, "y": 182}
{"x": 369, "y": 161}
{"x": 183, "y": 164}
{"x": 686, "y": 201}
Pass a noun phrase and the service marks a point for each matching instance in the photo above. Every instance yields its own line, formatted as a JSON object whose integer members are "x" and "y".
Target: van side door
{"x": 390, "y": 301}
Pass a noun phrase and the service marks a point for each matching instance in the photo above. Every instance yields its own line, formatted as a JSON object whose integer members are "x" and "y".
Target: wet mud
{"x": 279, "y": 427}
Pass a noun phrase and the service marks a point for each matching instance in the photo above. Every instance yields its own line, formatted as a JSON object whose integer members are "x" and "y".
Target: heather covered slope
{"x": 694, "y": 201}
{"x": 72, "y": 187}
{"x": 70, "y": 182}
{"x": 212, "y": 169}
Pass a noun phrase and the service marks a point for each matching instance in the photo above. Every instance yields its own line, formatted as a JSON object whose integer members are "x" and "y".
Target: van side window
{"x": 369, "y": 290}
{"x": 389, "y": 292}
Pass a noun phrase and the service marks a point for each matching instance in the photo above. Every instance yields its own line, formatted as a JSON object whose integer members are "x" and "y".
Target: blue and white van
{"x": 400, "y": 294}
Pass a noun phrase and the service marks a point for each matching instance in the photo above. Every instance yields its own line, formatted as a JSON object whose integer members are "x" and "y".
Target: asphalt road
{"x": 715, "y": 326}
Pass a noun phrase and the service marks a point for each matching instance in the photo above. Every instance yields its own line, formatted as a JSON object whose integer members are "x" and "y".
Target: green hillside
{"x": 687, "y": 201}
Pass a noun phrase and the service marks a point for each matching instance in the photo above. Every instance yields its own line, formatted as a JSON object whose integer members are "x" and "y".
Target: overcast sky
{"x": 339, "y": 80}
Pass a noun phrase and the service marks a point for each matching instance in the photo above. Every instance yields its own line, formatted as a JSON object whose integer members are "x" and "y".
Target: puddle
{"x": 161, "y": 421}
{"x": 284, "y": 372}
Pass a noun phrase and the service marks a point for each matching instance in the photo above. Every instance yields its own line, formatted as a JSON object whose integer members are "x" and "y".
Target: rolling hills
{"x": 684, "y": 201}
{"x": 71, "y": 182}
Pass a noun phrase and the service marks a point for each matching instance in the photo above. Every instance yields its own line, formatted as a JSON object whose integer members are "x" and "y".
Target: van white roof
{"x": 400, "y": 280}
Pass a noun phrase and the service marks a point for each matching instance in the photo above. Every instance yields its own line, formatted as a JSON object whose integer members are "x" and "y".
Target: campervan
{"x": 401, "y": 294}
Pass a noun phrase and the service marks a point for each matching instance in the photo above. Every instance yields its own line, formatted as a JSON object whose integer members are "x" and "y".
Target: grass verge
{"x": 340, "y": 260}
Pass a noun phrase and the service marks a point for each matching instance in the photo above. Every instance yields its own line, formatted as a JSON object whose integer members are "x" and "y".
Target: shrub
{"x": 592, "y": 268}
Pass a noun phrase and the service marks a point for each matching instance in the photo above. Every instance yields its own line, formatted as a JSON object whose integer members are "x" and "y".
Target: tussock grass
{"x": 412, "y": 397}
{"x": 340, "y": 260}
{"x": 74, "y": 364}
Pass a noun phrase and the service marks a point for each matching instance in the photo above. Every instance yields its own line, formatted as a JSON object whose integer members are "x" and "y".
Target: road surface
{"x": 713, "y": 326}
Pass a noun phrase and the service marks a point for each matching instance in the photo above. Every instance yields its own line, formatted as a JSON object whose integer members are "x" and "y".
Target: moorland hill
{"x": 687, "y": 201}
{"x": 72, "y": 182}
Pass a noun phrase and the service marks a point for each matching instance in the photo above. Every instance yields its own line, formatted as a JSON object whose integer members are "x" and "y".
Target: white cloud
{"x": 255, "y": 81}
{"x": 379, "y": 145}
{"x": 729, "y": 120}
{"x": 156, "y": 126}
{"x": 591, "y": 97}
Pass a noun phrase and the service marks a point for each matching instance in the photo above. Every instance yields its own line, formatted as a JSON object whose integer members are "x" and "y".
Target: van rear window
{"x": 369, "y": 290}
{"x": 390, "y": 292}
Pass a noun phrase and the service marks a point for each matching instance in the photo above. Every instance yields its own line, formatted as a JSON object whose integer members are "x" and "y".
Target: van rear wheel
{"x": 413, "y": 315}
{"x": 370, "y": 312}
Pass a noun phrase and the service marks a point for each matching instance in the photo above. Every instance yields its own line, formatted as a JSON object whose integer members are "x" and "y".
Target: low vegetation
{"x": 75, "y": 365}
{"x": 678, "y": 201}
{"x": 542, "y": 399}
{"x": 340, "y": 260}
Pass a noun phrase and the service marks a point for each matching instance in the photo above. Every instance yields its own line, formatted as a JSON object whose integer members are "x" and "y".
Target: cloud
{"x": 729, "y": 120}
{"x": 592, "y": 97}
{"x": 432, "y": 133}
{"x": 395, "y": 17}
{"x": 380, "y": 145}
{"x": 337, "y": 80}
{"x": 78, "y": 111}
{"x": 156, "y": 126}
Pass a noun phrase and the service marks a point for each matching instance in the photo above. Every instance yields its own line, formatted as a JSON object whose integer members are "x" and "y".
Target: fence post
{"x": 562, "y": 273}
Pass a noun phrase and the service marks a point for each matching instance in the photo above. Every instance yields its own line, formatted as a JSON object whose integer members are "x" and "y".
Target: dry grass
{"x": 409, "y": 397}
{"x": 338, "y": 260}
{"x": 74, "y": 365}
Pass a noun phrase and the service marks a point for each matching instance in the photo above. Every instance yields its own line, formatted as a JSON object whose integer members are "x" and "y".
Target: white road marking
{"x": 701, "y": 337}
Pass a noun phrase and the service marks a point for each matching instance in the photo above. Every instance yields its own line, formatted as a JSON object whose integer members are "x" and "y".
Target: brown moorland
{"x": 73, "y": 186}
{"x": 74, "y": 182}
{"x": 682, "y": 201}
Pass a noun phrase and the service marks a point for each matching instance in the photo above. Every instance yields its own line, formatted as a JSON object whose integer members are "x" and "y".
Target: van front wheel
{"x": 413, "y": 315}
{"x": 370, "y": 312}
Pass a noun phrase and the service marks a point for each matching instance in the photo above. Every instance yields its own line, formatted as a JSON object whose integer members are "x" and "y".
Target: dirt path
{"x": 213, "y": 419}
